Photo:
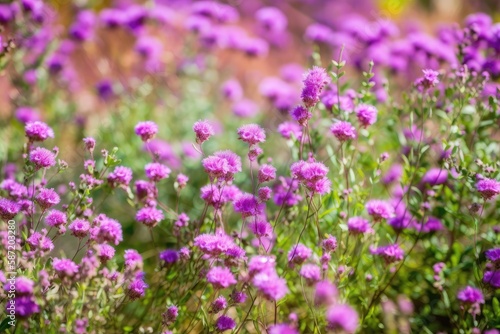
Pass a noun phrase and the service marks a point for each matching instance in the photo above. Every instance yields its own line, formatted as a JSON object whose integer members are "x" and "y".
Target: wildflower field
{"x": 249, "y": 166}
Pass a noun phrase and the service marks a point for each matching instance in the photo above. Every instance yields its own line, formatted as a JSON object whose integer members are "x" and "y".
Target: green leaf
{"x": 5, "y": 325}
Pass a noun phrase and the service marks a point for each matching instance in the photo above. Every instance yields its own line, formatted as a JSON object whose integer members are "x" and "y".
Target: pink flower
{"x": 367, "y": 114}
{"x": 38, "y": 131}
{"x": 251, "y": 134}
{"x": 146, "y": 130}
{"x": 203, "y": 131}
{"x": 220, "y": 277}
{"x": 343, "y": 131}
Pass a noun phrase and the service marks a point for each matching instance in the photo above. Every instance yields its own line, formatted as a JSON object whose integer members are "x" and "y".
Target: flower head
{"x": 342, "y": 317}
{"x": 301, "y": 115}
{"x": 367, "y": 114}
{"x": 156, "y": 171}
{"x": 488, "y": 188}
{"x": 358, "y": 225}
{"x": 146, "y": 130}
{"x": 224, "y": 323}
{"x": 38, "y": 131}
{"x": 64, "y": 267}
{"x": 470, "y": 295}
{"x": 149, "y": 216}
{"x": 47, "y": 198}
{"x": 251, "y": 134}
{"x": 343, "y": 131}
{"x": 220, "y": 277}
{"x": 379, "y": 209}
{"x": 120, "y": 176}
{"x": 314, "y": 82}
{"x": 42, "y": 158}
{"x": 79, "y": 228}
{"x": 203, "y": 131}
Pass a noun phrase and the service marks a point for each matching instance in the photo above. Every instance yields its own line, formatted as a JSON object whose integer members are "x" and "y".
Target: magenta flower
{"x": 133, "y": 260}
{"x": 390, "y": 253}
{"x": 270, "y": 285}
{"x": 137, "y": 289}
{"x": 298, "y": 254}
{"x": 42, "y": 158}
{"x": 222, "y": 165}
{"x": 493, "y": 255}
{"x": 219, "y": 304}
{"x": 214, "y": 244}
{"x": 289, "y": 130}
{"x": 120, "y": 176}
{"x": 8, "y": 209}
{"x": 358, "y": 225}
{"x": 326, "y": 293}
{"x": 231, "y": 90}
{"x": 342, "y": 317}
{"x": 203, "y": 131}
{"x": 435, "y": 176}
{"x": 149, "y": 216}
{"x": 55, "y": 218}
{"x": 39, "y": 241}
{"x": 282, "y": 329}
{"x": 379, "y": 209}
{"x": 64, "y": 267}
{"x": 220, "y": 277}
{"x": 330, "y": 244}
{"x": 301, "y": 115}
{"x": 488, "y": 188}
{"x": 105, "y": 252}
{"x": 311, "y": 272}
{"x": 367, "y": 114}
{"x": 314, "y": 82}
{"x": 251, "y": 134}
{"x": 47, "y": 198}
{"x": 146, "y": 130}
{"x": 106, "y": 230}
{"x": 79, "y": 228}
{"x": 156, "y": 171}
{"x": 266, "y": 173}
{"x": 470, "y": 295}
{"x": 248, "y": 205}
{"x": 261, "y": 263}
{"x": 38, "y": 131}
{"x": 224, "y": 323}
{"x": 343, "y": 131}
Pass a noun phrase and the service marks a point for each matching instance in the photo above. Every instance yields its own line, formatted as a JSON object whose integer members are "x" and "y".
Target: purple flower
{"x": 393, "y": 174}
{"x": 105, "y": 252}
{"x": 311, "y": 272}
{"x": 390, "y": 253}
{"x": 133, "y": 260}
{"x": 492, "y": 278}
{"x": 260, "y": 228}
{"x": 298, "y": 254}
{"x": 358, "y": 225}
{"x": 220, "y": 277}
{"x": 214, "y": 244}
{"x": 137, "y": 289}
{"x": 470, "y": 295}
{"x": 330, "y": 243}
{"x": 239, "y": 297}
{"x": 169, "y": 256}
{"x": 120, "y": 176}
{"x": 107, "y": 230}
{"x": 379, "y": 209}
{"x": 217, "y": 197}
{"x": 282, "y": 329}
{"x": 105, "y": 89}
{"x": 47, "y": 198}
{"x": 150, "y": 48}
{"x": 79, "y": 228}
{"x": 271, "y": 19}
{"x": 23, "y": 286}
{"x": 289, "y": 130}
{"x": 285, "y": 192}
{"x": 149, "y": 216}
{"x": 82, "y": 28}
{"x": 231, "y": 89}
{"x": 342, "y": 317}
{"x": 89, "y": 143}
{"x": 245, "y": 108}
{"x": 225, "y": 323}
{"x": 38, "y": 131}
{"x": 435, "y": 176}
{"x": 42, "y": 158}
{"x": 488, "y": 188}
{"x": 343, "y": 131}
{"x": 25, "y": 306}
{"x": 8, "y": 209}
{"x": 325, "y": 293}
{"x": 266, "y": 173}
{"x": 264, "y": 194}
{"x": 26, "y": 115}
{"x": 314, "y": 81}
{"x": 301, "y": 115}
{"x": 39, "y": 241}
{"x": 156, "y": 171}
{"x": 367, "y": 114}
{"x": 261, "y": 263}
{"x": 146, "y": 130}
{"x": 429, "y": 80}
{"x": 247, "y": 205}
{"x": 493, "y": 255}
{"x": 218, "y": 304}
{"x": 222, "y": 165}
{"x": 270, "y": 285}
{"x": 319, "y": 33}
{"x": 203, "y": 131}
{"x": 64, "y": 267}
{"x": 171, "y": 314}
{"x": 251, "y": 134}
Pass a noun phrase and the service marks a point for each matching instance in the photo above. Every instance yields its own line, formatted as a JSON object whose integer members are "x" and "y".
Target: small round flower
{"x": 470, "y": 295}
{"x": 47, "y": 198}
{"x": 330, "y": 244}
{"x": 133, "y": 260}
{"x": 23, "y": 286}
{"x": 89, "y": 143}
{"x": 149, "y": 216}
{"x": 298, "y": 254}
{"x": 137, "y": 289}
{"x": 238, "y": 297}
{"x": 79, "y": 228}
{"x": 146, "y": 130}
{"x": 358, "y": 225}
{"x": 64, "y": 267}
{"x": 218, "y": 304}
{"x": 248, "y": 205}
{"x": 156, "y": 171}
{"x": 325, "y": 293}
{"x": 120, "y": 176}
{"x": 342, "y": 317}
{"x": 182, "y": 180}
{"x": 493, "y": 255}
{"x": 105, "y": 252}
{"x": 429, "y": 80}
{"x": 260, "y": 228}
{"x": 367, "y": 114}
{"x": 266, "y": 173}
{"x": 492, "y": 278}
{"x": 314, "y": 82}
{"x": 42, "y": 158}
{"x": 264, "y": 194}
{"x": 435, "y": 176}
{"x": 8, "y": 209}
{"x": 251, "y": 134}
{"x": 38, "y": 131}
{"x": 379, "y": 209}
{"x": 301, "y": 115}
{"x": 261, "y": 263}
{"x": 231, "y": 90}
{"x": 203, "y": 131}
{"x": 107, "y": 230}
{"x": 343, "y": 131}
{"x": 488, "y": 188}
{"x": 390, "y": 253}
{"x": 270, "y": 285}
{"x": 171, "y": 314}
{"x": 220, "y": 277}
{"x": 169, "y": 256}
{"x": 225, "y": 323}
{"x": 282, "y": 329}
{"x": 311, "y": 272}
